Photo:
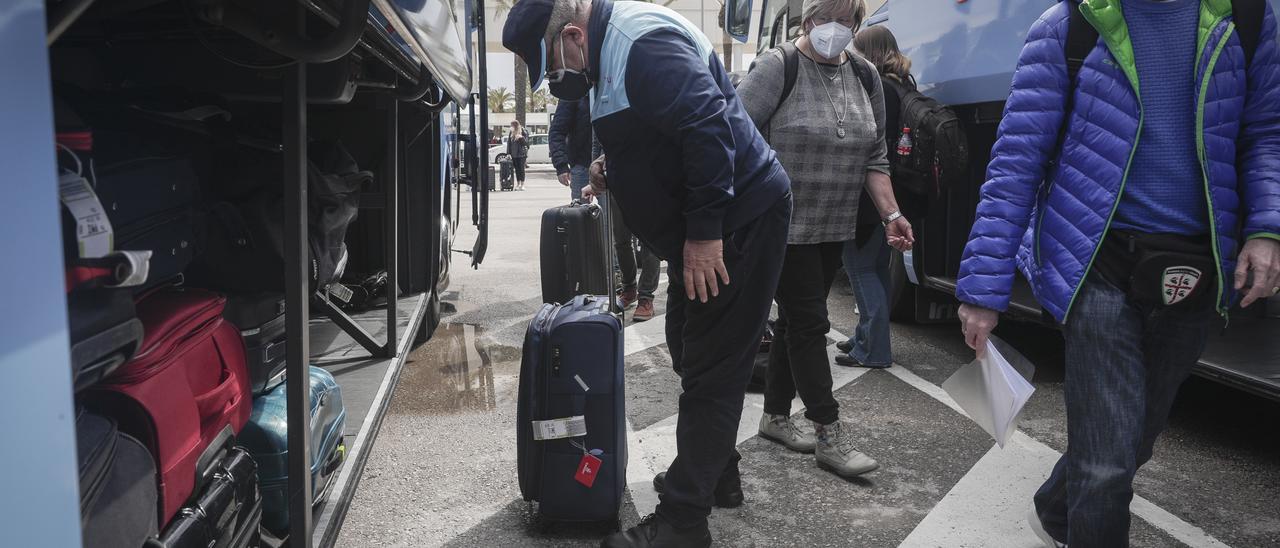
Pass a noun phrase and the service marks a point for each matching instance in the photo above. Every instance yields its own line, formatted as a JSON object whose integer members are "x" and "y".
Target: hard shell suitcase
{"x": 184, "y": 394}
{"x": 225, "y": 513}
{"x": 117, "y": 484}
{"x": 573, "y": 253}
{"x": 508, "y": 173}
{"x": 562, "y": 378}
{"x": 260, "y": 319}
{"x": 266, "y": 436}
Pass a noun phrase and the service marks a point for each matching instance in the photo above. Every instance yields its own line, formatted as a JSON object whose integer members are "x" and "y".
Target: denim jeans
{"x": 578, "y": 179}
{"x": 1124, "y": 364}
{"x": 798, "y": 361}
{"x": 868, "y": 270}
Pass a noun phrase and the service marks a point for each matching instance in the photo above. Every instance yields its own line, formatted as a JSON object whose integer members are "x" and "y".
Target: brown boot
{"x": 644, "y": 311}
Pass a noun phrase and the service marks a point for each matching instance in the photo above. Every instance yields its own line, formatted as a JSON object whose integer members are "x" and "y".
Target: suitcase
{"x": 117, "y": 484}
{"x": 560, "y": 378}
{"x": 105, "y": 333}
{"x": 260, "y": 319}
{"x": 574, "y": 251}
{"x": 184, "y": 393}
{"x": 508, "y": 173}
{"x": 266, "y": 437}
{"x": 226, "y": 513}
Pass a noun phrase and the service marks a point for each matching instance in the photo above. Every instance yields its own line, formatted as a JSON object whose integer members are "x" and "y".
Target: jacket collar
{"x": 597, "y": 25}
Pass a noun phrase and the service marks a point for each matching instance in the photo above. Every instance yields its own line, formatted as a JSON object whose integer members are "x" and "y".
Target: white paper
{"x": 992, "y": 391}
{"x": 554, "y": 429}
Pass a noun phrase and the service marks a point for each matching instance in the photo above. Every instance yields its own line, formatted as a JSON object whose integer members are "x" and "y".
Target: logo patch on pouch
{"x": 1179, "y": 283}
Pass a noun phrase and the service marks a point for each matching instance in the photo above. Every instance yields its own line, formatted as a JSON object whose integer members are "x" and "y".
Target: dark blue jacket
{"x": 684, "y": 158}
{"x": 570, "y": 135}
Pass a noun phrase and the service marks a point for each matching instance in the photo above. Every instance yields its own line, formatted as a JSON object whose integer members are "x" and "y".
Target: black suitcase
{"x": 260, "y": 319}
{"x": 105, "y": 333}
{"x": 508, "y": 173}
{"x": 118, "y": 501}
{"x": 225, "y": 513}
{"x": 574, "y": 253}
{"x": 561, "y": 378}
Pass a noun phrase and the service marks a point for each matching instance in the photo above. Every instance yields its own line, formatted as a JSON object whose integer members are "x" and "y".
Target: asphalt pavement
{"x": 443, "y": 469}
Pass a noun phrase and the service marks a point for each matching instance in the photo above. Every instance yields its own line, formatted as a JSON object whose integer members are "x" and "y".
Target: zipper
{"x": 1200, "y": 152}
{"x": 1041, "y": 206}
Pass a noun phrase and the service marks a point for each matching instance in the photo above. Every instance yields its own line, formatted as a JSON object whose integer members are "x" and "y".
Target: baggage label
{"x": 587, "y": 470}
{"x": 555, "y": 429}
{"x": 93, "y": 229}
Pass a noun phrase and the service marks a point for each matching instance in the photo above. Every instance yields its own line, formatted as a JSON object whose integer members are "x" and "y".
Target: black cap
{"x": 523, "y": 33}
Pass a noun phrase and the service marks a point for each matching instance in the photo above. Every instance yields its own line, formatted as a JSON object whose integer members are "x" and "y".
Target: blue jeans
{"x": 868, "y": 270}
{"x": 1124, "y": 364}
{"x": 578, "y": 178}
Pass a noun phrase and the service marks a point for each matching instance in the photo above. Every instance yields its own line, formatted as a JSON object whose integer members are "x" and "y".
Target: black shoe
{"x": 849, "y": 361}
{"x": 655, "y": 531}
{"x": 844, "y": 346}
{"x": 728, "y": 492}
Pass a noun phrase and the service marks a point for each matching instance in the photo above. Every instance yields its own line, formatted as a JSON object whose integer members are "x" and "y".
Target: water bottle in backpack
{"x": 904, "y": 143}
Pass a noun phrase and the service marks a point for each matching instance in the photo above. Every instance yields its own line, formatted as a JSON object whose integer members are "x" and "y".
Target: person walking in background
{"x": 518, "y": 149}
{"x": 569, "y": 141}
{"x": 827, "y": 134}
{"x": 1134, "y": 215}
{"x": 866, "y": 257}
{"x": 698, "y": 185}
{"x": 633, "y": 261}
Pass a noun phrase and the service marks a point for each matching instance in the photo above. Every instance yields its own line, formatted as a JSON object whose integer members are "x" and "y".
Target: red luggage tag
{"x": 588, "y": 467}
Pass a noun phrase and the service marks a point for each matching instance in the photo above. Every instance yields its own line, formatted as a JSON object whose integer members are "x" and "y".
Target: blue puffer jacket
{"x": 1051, "y": 207}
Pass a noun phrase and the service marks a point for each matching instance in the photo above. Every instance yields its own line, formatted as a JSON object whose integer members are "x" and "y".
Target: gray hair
{"x": 814, "y": 8}
{"x": 563, "y": 13}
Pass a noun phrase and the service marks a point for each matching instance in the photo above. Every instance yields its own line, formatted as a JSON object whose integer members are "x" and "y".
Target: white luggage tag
{"x": 93, "y": 229}
{"x": 555, "y": 429}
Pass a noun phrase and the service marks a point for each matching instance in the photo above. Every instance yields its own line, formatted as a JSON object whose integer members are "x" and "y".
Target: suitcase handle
{"x": 219, "y": 399}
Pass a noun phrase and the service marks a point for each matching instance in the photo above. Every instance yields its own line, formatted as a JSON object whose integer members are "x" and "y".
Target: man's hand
{"x": 899, "y": 234}
{"x": 589, "y": 194}
{"x": 565, "y": 179}
{"x": 1262, "y": 256}
{"x": 976, "y": 323}
{"x": 703, "y": 261}
{"x": 596, "y": 172}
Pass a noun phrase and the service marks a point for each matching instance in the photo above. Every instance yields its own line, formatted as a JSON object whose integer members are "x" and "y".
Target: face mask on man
{"x": 568, "y": 84}
{"x": 830, "y": 39}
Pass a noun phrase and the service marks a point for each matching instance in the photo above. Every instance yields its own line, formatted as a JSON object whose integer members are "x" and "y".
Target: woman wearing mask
{"x": 866, "y": 257}
{"x": 826, "y": 134}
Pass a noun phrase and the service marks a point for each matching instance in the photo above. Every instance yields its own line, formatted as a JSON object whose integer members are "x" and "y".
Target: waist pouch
{"x": 1163, "y": 270}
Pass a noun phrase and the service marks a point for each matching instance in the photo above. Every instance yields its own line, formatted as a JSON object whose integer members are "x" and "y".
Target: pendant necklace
{"x": 844, "y": 110}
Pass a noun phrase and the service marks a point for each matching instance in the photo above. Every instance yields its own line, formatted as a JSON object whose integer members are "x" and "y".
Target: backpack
{"x": 939, "y": 156}
{"x": 791, "y": 67}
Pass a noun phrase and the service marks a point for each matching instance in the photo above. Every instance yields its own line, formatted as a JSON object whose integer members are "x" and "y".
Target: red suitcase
{"x": 185, "y": 394}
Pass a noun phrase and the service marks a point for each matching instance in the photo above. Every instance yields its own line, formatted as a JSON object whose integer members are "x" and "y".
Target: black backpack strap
{"x": 864, "y": 73}
{"x": 790, "y": 67}
{"x": 1248, "y": 15}
{"x": 1081, "y": 39}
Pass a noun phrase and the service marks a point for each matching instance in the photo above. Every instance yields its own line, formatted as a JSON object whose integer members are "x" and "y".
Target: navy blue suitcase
{"x": 573, "y": 367}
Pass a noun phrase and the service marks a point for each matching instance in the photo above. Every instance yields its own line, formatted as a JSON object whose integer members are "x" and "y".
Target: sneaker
{"x": 848, "y": 360}
{"x": 835, "y": 452}
{"x": 781, "y": 429}
{"x": 656, "y": 531}
{"x": 1033, "y": 519}
{"x": 644, "y": 311}
{"x": 728, "y": 493}
{"x": 626, "y": 298}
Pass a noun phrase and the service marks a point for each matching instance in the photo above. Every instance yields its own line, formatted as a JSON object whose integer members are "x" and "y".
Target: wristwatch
{"x": 891, "y": 218}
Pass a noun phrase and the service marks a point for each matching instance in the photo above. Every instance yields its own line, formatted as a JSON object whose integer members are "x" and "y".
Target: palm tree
{"x": 540, "y": 101}
{"x": 499, "y": 98}
{"x": 521, "y": 70}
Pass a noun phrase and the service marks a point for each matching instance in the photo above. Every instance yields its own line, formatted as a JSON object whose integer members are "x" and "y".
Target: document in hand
{"x": 992, "y": 391}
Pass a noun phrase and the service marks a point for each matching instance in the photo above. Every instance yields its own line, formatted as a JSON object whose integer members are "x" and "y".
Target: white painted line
{"x": 639, "y": 337}
{"x": 988, "y": 506}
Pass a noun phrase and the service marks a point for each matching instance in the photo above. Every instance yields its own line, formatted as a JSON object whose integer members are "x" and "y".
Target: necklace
{"x": 843, "y": 111}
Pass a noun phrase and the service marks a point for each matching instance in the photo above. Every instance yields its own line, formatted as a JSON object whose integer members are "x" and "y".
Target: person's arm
{"x": 558, "y": 135}
{"x": 1025, "y": 145}
{"x": 670, "y": 86}
{"x": 1259, "y": 169}
{"x": 761, "y": 89}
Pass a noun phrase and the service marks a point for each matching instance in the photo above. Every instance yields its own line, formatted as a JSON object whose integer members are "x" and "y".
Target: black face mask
{"x": 568, "y": 84}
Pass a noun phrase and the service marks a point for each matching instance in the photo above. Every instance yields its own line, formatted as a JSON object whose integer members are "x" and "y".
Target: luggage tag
{"x": 93, "y": 229}
{"x": 589, "y": 466}
{"x": 555, "y": 429}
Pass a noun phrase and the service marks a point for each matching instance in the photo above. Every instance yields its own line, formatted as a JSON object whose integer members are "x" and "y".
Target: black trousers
{"x": 631, "y": 260}
{"x": 713, "y": 347}
{"x": 798, "y": 357}
{"x": 518, "y": 163}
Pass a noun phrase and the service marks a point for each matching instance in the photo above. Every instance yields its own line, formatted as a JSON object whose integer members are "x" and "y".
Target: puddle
{"x": 456, "y": 372}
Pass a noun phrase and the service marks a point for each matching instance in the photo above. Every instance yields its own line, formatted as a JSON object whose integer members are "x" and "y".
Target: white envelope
{"x": 992, "y": 391}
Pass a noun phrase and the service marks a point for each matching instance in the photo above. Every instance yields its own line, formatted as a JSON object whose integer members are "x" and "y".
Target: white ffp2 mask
{"x": 830, "y": 39}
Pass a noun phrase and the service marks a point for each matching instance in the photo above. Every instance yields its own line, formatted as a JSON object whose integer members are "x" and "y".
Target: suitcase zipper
{"x": 182, "y": 345}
